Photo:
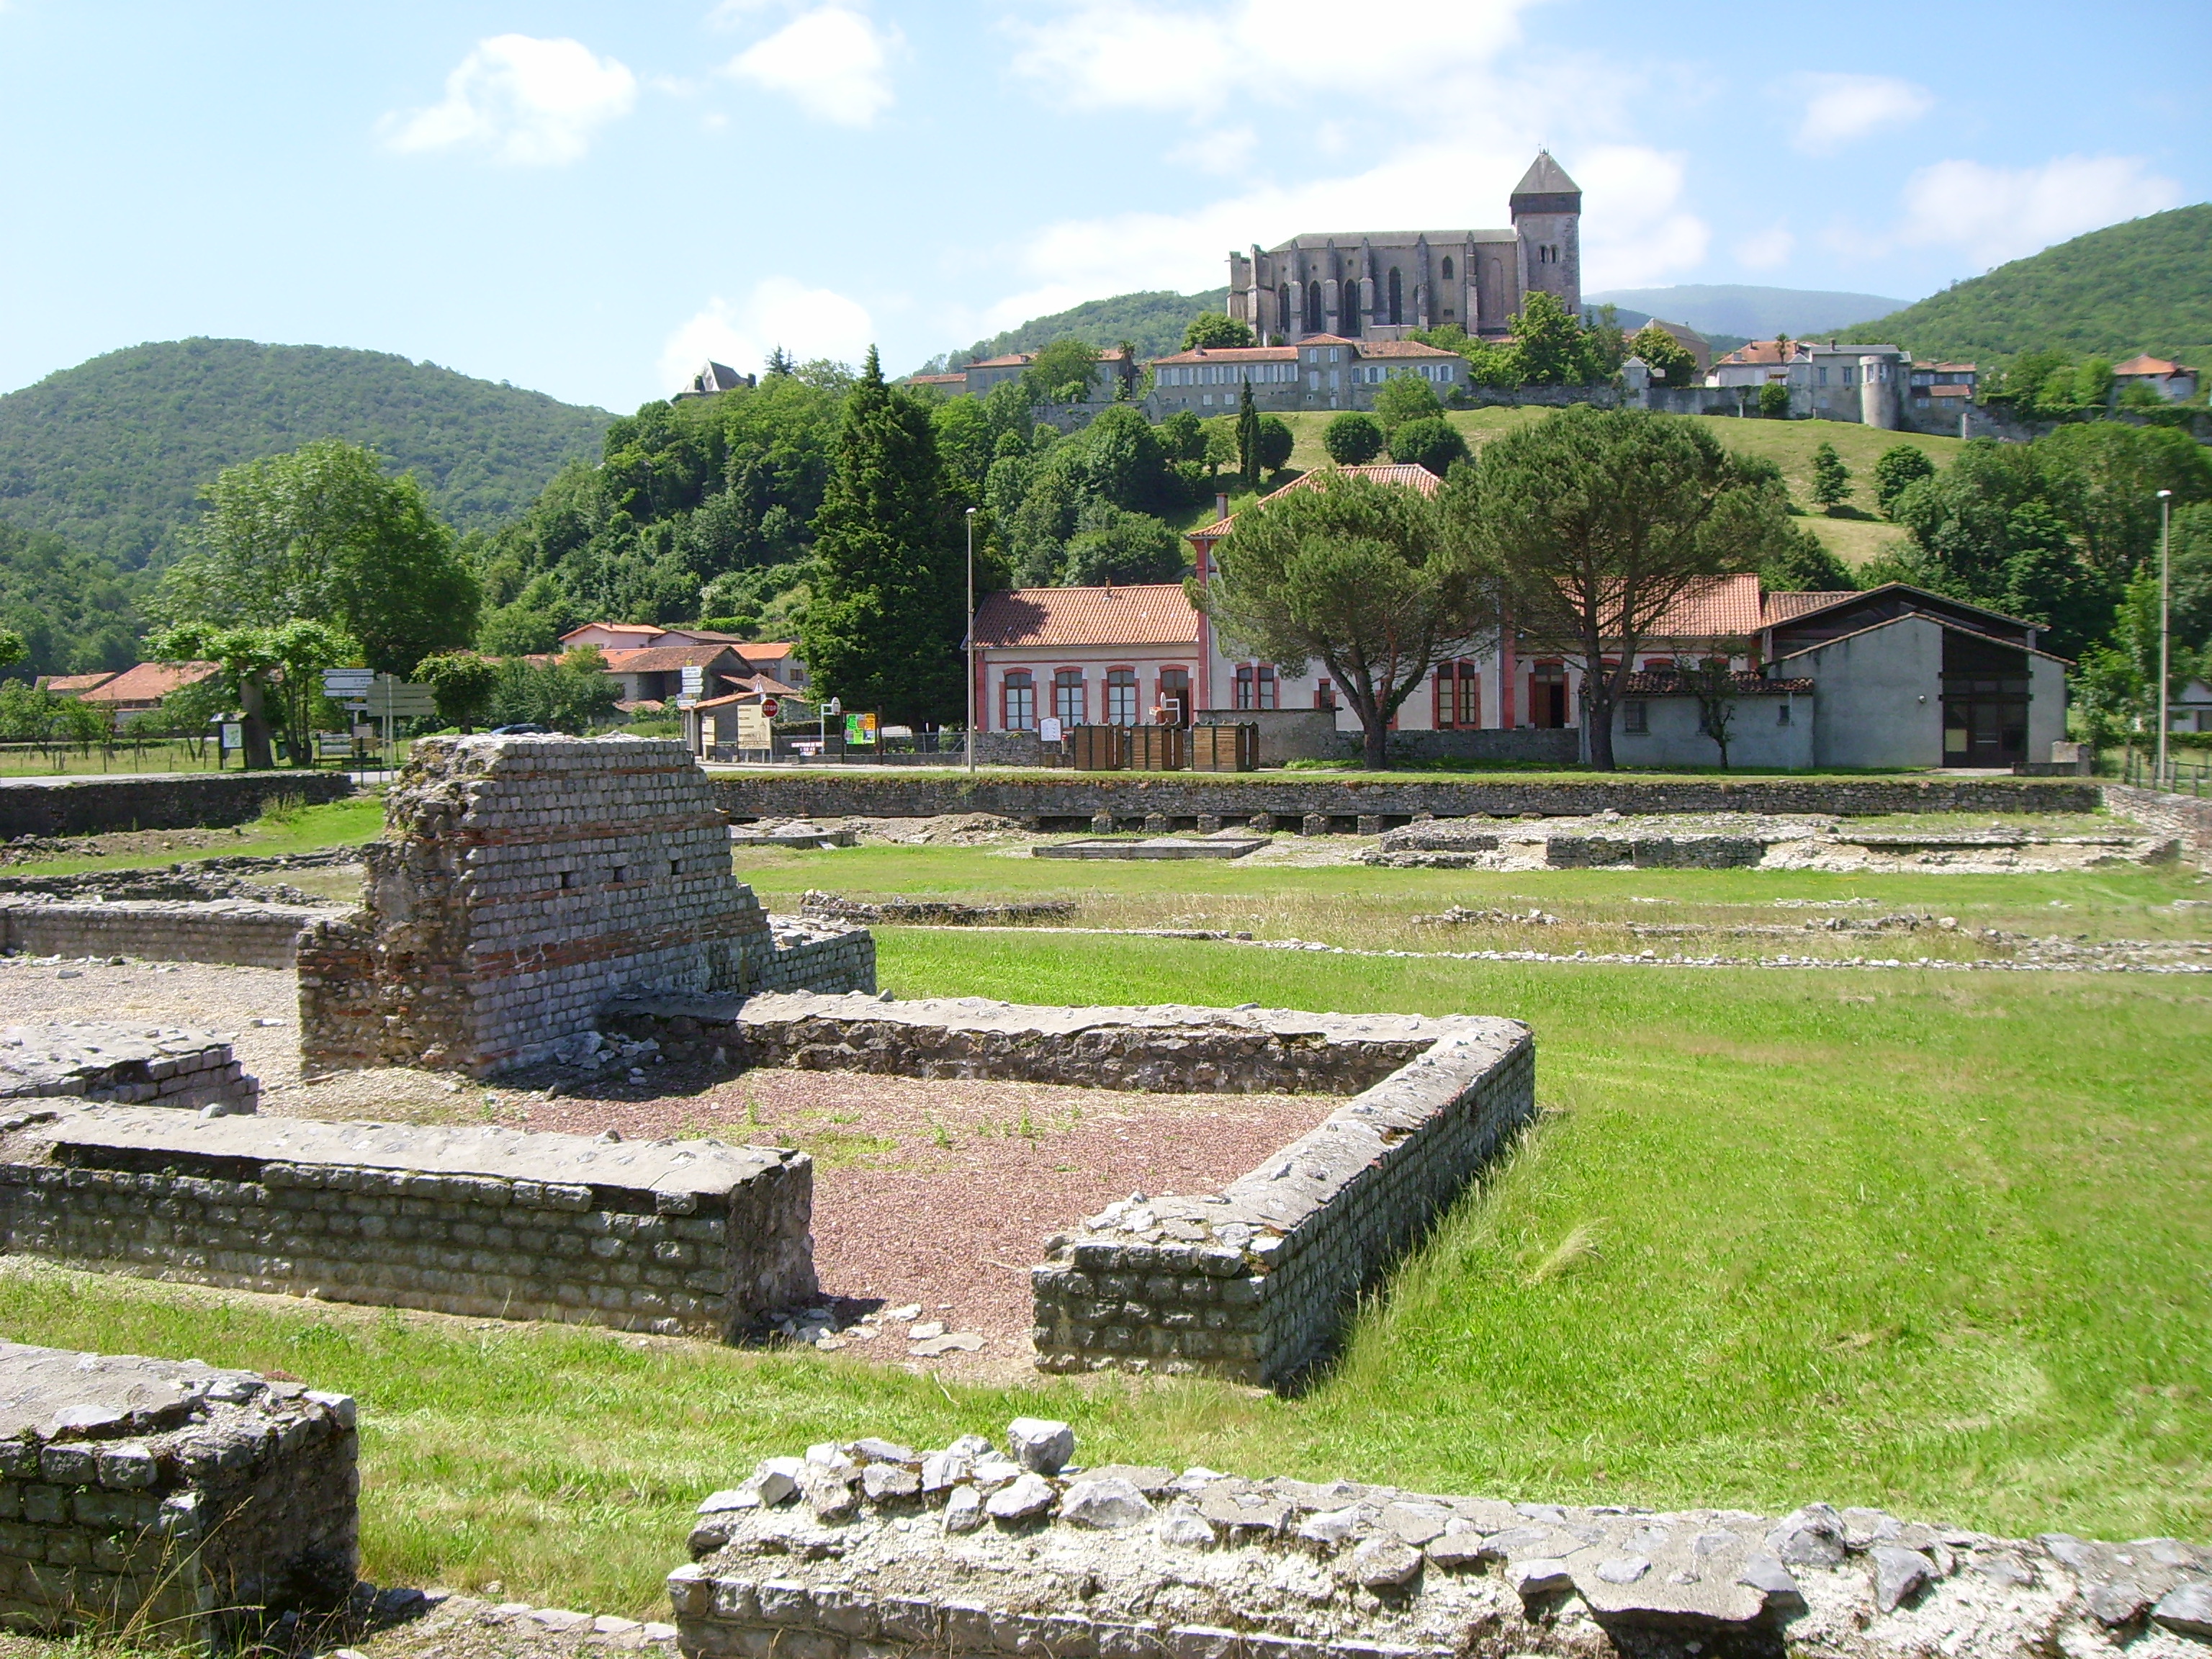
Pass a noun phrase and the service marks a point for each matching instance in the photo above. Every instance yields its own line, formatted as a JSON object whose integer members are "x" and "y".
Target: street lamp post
{"x": 968, "y": 642}
{"x": 2165, "y": 625}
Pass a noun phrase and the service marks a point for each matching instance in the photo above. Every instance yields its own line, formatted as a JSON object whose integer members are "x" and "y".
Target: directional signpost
{"x": 382, "y": 697}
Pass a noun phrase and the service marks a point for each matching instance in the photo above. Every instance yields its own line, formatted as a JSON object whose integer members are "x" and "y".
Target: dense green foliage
{"x": 1153, "y": 321}
{"x": 272, "y": 672}
{"x": 572, "y": 693}
{"x": 1046, "y": 494}
{"x": 76, "y": 612}
{"x": 1405, "y": 397}
{"x": 1831, "y": 479}
{"x": 1432, "y": 442}
{"x": 2142, "y": 286}
{"x": 1550, "y": 346}
{"x": 462, "y": 683}
{"x": 1211, "y": 329}
{"x": 1898, "y": 466}
{"x": 1353, "y": 438}
{"x": 884, "y": 627}
{"x": 1669, "y": 360}
{"x": 110, "y": 455}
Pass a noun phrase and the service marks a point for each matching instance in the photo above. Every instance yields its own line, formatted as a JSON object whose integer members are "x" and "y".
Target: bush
{"x": 1898, "y": 467}
{"x": 1352, "y": 439}
{"x": 1434, "y": 443}
{"x": 1276, "y": 442}
{"x": 1404, "y": 397}
{"x": 1773, "y": 402}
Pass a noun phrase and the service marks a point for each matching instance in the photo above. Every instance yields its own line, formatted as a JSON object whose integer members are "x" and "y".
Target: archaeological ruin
{"x": 164, "y": 1065}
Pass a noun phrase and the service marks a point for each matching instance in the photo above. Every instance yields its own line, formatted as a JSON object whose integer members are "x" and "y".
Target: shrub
{"x": 1773, "y": 402}
{"x": 1352, "y": 439}
{"x": 1434, "y": 443}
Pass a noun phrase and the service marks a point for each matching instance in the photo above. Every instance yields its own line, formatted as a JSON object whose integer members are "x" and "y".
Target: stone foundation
{"x": 159, "y": 930}
{"x": 680, "y": 1237}
{"x": 168, "y": 1502}
{"x": 157, "y": 800}
{"x": 522, "y": 883}
{"x": 875, "y": 1551}
{"x": 128, "y": 1065}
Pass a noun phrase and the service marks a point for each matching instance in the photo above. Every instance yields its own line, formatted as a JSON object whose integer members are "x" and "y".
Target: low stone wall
{"x": 159, "y": 930}
{"x": 815, "y": 953}
{"x": 2187, "y": 818}
{"x": 127, "y": 1064}
{"x": 154, "y": 800}
{"x": 168, "y": 1502}
{"x": 688, "y": 1236}
{"x": 1075, "y": 799}
{"x": 870, "y": 1550}
{"x": 1255, "y": 1282}
{"x": 934, "y": 913}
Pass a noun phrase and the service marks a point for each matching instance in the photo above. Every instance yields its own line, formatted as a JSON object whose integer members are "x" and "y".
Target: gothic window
{"x": 1448, "y": 268}
{"x": 1351, "y": 319}
{"x": 1313, "y": 307}
{"x": 1284, "y": 319}
{"x": 1397, "y": 297}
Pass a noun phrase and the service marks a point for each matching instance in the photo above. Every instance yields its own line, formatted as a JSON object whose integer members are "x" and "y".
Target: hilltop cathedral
{"x": 1380, "y": 285}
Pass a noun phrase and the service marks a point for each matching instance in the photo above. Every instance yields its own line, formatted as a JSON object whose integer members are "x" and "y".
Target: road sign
{"x": 753, "y": 730}
{"x": 833, "y": 707}
{"x": 347, "y": 682}
{"x": 391, "y": 699}
{"x": 768, "y": 707}
{"x": 694, "y": 680}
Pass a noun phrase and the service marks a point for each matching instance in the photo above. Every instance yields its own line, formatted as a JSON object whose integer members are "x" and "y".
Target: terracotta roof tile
{"x": 1395, "y": 472}
{"x": 1784, "y": 607}
{"x": 642, "y": 630}
{"x": 666, "y": 659}
{"x": 2146, "y": 364}
{"x": 1233, "y": 354}
{"x": 1726, "y": 605}
{"x": 150, "y": 682}
{"x": 63, "y": 685}
{"x": 1152, "y": 613}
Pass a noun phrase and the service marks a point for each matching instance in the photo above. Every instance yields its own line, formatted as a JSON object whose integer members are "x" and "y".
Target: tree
{"x": 270, "y": 672}
{"x": 1895, "y": 470}
{"x": 1248, "y": 440}
{"x": 322, "y": 534}
{"x": 1357, "y": 574}
{"x": 1774, "y": 401}
{"x": 780, "y": 364}
{"x": 461, "y": 683}
{"x": 13, "y": 650}
{"x": 1182, "y": 437}
{"x": 1831, "y": 479}
{"x": 1670, "y": 362}
{"x": 1597, "y": 523}
{"x": 1712, "y": 682}
{"x": 1276, "y": 442}
{"x": 1352, "y": 439}
{"x": 1435, "y": 443}
{"x": 1112, "y": 545}
{"x": 1549, "y": 340}
{"x": 1404, "y": 398}
{"x": 1210, "y": 329}
{"x": 1799, "y": 562}
{"x": 573, "y": 693}
{"x": 1063, "y": 373}
{"x": 883, "y": 629}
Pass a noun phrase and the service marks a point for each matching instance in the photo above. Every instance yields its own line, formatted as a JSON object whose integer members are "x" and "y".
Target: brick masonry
{"x": 154, "y": 800}
{"x": 173, "y": 1497}
{"x": 232, "y": 931}
{"x": 521, "y": 885}
{"x": 126, "y": 1065}
{"x": 690, "y": 1237}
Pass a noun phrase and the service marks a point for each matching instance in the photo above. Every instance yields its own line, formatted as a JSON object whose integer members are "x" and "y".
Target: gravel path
{"x": 940, "y": 1193}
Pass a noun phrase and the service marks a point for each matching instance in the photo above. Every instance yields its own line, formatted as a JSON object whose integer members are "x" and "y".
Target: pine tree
{"x": 1248, "y": 440}
{"x": 883, "y": 631}
{"x": 1831, "y": 479}
{"x": 779, "y": 362}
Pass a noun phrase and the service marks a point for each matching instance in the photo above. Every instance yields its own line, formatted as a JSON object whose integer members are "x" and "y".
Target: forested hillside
{"x": 1153, "y": 322}
{"x": 109, "y": 455}
{"x": 2142, "y": 286}
{"x": 77, "y": 611}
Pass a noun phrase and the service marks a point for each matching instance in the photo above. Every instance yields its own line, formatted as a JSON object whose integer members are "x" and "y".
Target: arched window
{"x": 1017, "y": 702}
{"x": 1283, "y": 320}
{"x": 1397, "y": 297}
{"x": 1069, "y": 704}
{"x": 1448, "y": 268}
{"x": 1349, "y": 323}
{"x": 1313, "y": 307}
{"x": 1174, "y": 695}
{"x": 1121, "y": 696}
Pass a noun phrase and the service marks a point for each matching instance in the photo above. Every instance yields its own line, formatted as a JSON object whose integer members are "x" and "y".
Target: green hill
{"x": 108, "y": 455}
{"x": 1153, "y": 322}
{"x": 2142, "y": 286}
{"x": 77, "y": 611}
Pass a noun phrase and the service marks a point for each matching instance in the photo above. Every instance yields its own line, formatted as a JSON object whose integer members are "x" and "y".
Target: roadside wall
{"x": 154, "y": 800}
{"x": 690, "y": 1237}
{"x": 187, "y": 1500}
{"x": 158, "y": 930}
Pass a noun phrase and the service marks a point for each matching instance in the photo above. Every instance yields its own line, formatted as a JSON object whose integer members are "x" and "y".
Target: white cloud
{"x": 832, "y": 61}
{"x": 1839, "y": 108}
{"x": 806, "y": 322}
{"x": 1228, "y": 151}
{"x": 1116, "y": 53}
{"x": 527, "y": 101}
{"x": 1766, "y": 250}
{"x": 1998, "y": 214}
{"x": 1635, "y": 229}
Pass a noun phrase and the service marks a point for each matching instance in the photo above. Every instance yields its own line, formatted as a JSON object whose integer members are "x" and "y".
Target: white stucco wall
{"x": 1757, "y": 735}
{"x": 1881, "y": 695}
{"x": 2047, "y": 706}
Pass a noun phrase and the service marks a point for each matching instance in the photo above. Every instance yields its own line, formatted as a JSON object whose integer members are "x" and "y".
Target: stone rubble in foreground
{"x": 870, "y": 1549}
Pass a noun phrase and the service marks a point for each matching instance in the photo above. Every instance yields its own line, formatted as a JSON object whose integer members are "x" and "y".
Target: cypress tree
{"x": 883, "y": 629}
{"x": 1248, "y": 439}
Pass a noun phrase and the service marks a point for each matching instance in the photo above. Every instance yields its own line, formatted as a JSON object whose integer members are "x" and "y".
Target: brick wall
{"x": 164, "y": 1065}
{"x": 183, "y": 800}
{"x": 681, "y": 1237}
{"x": 159, "y": 930}
{"x": 181, "y": 1498}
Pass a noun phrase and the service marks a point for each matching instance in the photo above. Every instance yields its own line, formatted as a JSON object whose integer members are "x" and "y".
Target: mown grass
{"x": 287, "y": 828}
{"x": 1944, "y": 1245}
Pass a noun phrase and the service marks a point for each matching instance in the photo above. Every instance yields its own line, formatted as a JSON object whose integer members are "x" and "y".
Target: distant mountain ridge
{"x": 109, "y": 455}
{"x": 2145, "y": 285}
{"x": 1749, "y": 313}
{"x": 1152, "y": 321}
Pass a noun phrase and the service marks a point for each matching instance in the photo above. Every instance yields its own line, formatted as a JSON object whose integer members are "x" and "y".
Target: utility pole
{"x": 2164, "y": 621}
{"x": 968, "y": 641}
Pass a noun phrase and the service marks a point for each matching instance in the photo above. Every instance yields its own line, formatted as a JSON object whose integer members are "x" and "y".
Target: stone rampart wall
{"x": 684, "y": 1236}
{"x": 175, "y": 1499}
{"x": 2188, "y": 818}
{"x": 1133, "y": 796}
{"x": 158, "y": 930}
{"x": 154, "y": 800}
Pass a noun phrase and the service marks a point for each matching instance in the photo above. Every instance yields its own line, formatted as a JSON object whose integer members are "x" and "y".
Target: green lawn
{"x": 288, "y": 829}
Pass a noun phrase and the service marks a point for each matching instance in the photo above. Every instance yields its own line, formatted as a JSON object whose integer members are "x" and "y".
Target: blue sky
{"x": 588, "y": 198}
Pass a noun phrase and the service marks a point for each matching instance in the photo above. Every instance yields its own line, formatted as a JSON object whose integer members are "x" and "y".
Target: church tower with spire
{"x": 1548, "y": 210}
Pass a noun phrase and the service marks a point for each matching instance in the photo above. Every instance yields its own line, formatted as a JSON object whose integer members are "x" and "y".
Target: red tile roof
{"x": 150, "y": 682}
{"x": 666, "y": 659}
{"x": 1762, "y": 351}
{"x": 1396, "y": 472}
{"x": 1726, "y": 605}
{"x": 1153, "y": 613}
{"x": 1400, "y": 348}
{"x": 1232, "y": 354}
{"x": 2146, "y": 364}
{"x": 1658, "y": 682}
{"x": 64, "y": 686}
{"x": 766, "y": 650}
{"x": 642, "y": 630}
{"x": 1784, "y": 607}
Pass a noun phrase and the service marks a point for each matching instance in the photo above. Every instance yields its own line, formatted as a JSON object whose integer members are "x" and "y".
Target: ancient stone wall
{"x": 872, "y": 1550}
{"x": 1183, "y": 798}
{"x": 2188, "y": 818}
{"x": 674, "y": 1236}
{"x": 157, "y": 801}
{"x": 523, "y": 882}
{"x": 158, "y": 930}
{"x": 171, "y": 1501}
{"x": 1255, "y": 1282}
{"x": 127, "y": 1064}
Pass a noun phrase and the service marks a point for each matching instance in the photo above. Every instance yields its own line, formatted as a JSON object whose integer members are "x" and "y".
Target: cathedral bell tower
{"x": 1548, "y": 210}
